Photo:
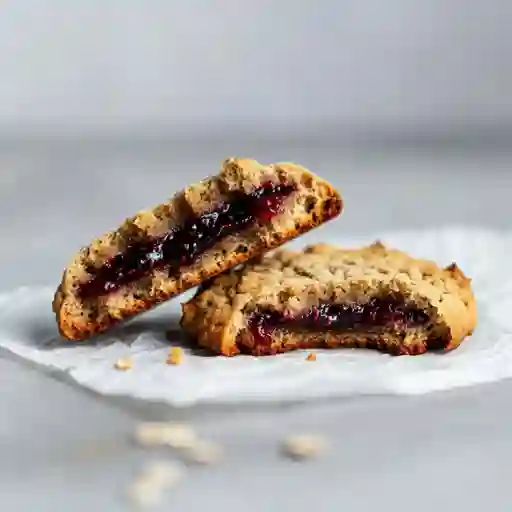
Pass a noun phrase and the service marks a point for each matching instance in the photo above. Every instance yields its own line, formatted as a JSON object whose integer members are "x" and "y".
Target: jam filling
{"x": 181, "y": 246}
{"x": 377, "y": 313}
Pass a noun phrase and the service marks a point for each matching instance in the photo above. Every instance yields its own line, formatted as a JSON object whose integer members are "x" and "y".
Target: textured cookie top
{"x": 291, "y": 282}
{"x": 236, "y": 174}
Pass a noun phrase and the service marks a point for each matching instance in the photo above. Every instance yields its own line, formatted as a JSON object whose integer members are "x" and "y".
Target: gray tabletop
{"x": 64, "y": 448}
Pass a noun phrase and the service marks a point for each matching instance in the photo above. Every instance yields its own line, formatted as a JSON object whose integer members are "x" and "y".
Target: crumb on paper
{"x": 311, "y": 357}
{"x": 303, "y": 446}
{"x": 175, "y": 435}
{"x": 203, "y": 452}
{"x": 175, "y": 356}
{"x": 148, "y": 488}
{"x": 123, "y": 364}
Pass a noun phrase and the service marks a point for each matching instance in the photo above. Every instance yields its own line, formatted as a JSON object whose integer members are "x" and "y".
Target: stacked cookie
{"x": 217, "y": 233}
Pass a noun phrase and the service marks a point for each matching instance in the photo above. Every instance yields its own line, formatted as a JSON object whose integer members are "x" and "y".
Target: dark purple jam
{"x": 183, "y": 245}
{"x": 378, "y": 312}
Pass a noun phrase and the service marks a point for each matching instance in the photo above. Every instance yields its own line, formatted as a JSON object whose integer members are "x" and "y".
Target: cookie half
{"x": 325, "y": 296}
{"x": 209, "y": 227}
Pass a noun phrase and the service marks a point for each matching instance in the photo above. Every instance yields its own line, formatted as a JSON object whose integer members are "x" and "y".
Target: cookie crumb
{"x": 175, "y": 435}
{"x": 175, "y": 356}
{"x": 311, "y": 357}
{"x": 203, "y": 452}
{"x": 123, "y": 364}
{"x": 303, "y": 446}
{"x": 147, "y": 489}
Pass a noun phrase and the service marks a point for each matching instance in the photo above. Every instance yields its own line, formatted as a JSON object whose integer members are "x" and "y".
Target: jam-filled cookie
{"x": 211, "y": 226}
{"x": 325, "y": 296}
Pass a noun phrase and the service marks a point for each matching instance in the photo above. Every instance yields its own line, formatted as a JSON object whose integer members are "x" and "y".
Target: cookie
{"x": 211, "y": 226}
{"x": 326, "y": 296}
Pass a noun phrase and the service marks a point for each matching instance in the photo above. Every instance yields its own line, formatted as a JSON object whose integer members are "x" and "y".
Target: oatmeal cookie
{"x": 325, "y": 296}
{"x": 211, "y": 226}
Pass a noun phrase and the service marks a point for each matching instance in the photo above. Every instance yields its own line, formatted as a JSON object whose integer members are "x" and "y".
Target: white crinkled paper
{"x": 27, "y": 328}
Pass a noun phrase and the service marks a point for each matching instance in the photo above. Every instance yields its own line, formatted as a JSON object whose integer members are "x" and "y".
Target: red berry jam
{"x": 378, "y": 312}
{"x": 181, "y": 246}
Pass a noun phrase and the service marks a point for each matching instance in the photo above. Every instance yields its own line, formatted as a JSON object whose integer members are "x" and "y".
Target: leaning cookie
{"x": 325, "y": 296}
{"x": 209, "y": 227}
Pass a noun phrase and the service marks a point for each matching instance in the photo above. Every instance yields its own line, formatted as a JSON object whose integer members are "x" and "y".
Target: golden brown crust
{"x": 313, "y": 202}
{"x": 290, "y": 282}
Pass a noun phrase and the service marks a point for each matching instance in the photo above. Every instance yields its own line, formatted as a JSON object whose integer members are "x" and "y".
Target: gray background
{"x": 108, "y": 107}
{"x": 127, "y": 65}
